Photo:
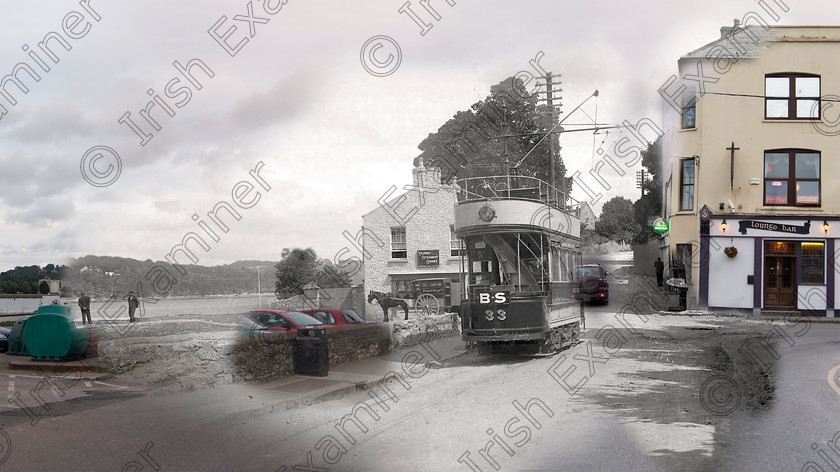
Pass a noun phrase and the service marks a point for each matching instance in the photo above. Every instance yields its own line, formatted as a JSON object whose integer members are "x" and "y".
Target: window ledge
{"x": 684, "y": 212}
{"x": 397, "y": 261}
{"x": 788, "y": 120}
{"x": 687, "y": 129}
{"x": 802, "y": 209}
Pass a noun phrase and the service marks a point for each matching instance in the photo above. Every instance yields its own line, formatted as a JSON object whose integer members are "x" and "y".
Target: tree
{"x": 617, "y": 221}
{"x": 44, "y": 288}
{"x": 651, "y": 203}
{"x": 296, "y": 270}
{"x": 471, "y": 142}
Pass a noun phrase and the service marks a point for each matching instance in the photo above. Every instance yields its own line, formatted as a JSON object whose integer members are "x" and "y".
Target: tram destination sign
{"x": 744, "y": 225}
{"x": 428, "y": 257}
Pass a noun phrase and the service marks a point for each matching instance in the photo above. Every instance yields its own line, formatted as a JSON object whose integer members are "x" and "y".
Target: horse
{"x": 386, "y": 301}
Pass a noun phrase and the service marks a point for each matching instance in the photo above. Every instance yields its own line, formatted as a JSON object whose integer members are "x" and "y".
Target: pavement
{"x": 301, "y": 390}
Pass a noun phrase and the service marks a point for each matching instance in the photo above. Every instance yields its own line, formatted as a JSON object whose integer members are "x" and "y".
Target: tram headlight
{"x": 488, "y": 315}
{"x": 502, "y": 314}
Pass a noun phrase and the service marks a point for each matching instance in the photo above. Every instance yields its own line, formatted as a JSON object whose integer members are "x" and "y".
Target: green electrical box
{"x": 51, "y": 334}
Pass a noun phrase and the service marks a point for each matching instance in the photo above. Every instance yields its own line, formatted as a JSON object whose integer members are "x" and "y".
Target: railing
{"x": 515, "y": 187}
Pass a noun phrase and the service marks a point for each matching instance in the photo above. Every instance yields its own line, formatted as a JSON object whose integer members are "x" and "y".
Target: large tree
{"x": 502, "y": 128}
{"x": 301, "y": 267}
{"x": 617, "y": 221}
{"x": 651, "y": 203}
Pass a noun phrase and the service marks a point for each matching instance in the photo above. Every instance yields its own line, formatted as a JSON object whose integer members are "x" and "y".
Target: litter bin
{"x": 311, "y": 353}
{"x": 17, "y": 346}
{"x": 677, "y": 297}
{"x": 51, "y": 334}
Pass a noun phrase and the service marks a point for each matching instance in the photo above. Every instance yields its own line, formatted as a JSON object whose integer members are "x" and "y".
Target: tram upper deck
{"x": 514, "y": 203}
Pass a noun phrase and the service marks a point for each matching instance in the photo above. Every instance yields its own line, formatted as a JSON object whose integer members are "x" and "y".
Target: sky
{"x": 306, "y": 113}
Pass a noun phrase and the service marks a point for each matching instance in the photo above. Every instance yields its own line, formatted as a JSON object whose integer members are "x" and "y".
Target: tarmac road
{"x": 642, "y": 392}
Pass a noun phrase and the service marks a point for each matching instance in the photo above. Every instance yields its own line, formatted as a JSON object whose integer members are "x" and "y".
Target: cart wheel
{"x": 426, "y": 305}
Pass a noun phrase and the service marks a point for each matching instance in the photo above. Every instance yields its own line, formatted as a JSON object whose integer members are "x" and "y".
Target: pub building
{"x": 750, "y": 168}
{"x": 768, "y": 263}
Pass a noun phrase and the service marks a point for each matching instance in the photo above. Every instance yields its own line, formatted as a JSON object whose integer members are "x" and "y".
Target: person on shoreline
{"x": 84, "y": 305}
{"x": 133, "y": 303}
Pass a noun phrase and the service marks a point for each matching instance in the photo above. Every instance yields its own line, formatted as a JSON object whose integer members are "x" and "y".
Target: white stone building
{"x": 411, "y": 237}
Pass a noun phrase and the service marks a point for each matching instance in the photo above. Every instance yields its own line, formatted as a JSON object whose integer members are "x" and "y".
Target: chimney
{"x": 425, "y": 177}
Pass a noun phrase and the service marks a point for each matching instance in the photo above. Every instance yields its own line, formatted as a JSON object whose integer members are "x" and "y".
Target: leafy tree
{"x": 472, "y": 139}
{"x": 651, "y": 203}
{"x": 617, "y": 222}
{"x": 295, "y": 271}
{"x": 44, "y": 288}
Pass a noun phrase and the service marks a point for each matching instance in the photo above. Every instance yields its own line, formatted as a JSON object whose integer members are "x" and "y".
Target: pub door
{"x": 779, "y": 282}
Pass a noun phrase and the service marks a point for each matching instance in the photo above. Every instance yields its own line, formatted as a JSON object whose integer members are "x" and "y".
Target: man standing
{"x": 133, "y": 303}
{"x": 84, "y": 305}
{"x": 660, "y": 269}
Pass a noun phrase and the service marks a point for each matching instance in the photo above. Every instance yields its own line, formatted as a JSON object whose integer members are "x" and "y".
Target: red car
{"x": 333, "y": 317}
{"x": 276, "y": 320}
{"x": 590, "y": 283}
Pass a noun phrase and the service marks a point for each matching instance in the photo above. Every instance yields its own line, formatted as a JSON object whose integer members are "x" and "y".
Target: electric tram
{"x": 521, "y": 239}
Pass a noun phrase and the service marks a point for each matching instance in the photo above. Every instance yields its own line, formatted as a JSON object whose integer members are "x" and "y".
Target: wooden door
{"x": 779, "y": 282}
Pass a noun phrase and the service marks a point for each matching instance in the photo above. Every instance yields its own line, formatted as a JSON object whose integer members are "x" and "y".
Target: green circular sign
{"x": 660, "y": 226}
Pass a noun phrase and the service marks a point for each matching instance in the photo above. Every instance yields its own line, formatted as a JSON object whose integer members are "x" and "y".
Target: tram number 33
{"x": 496, "y": 298}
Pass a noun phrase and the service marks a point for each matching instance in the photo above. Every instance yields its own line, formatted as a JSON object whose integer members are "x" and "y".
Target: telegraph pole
{"x": 551, "y": 81}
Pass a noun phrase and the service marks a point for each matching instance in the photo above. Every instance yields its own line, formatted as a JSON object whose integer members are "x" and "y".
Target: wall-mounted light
{"x": 723, "y": 225}
{"x": 825, "y": 226}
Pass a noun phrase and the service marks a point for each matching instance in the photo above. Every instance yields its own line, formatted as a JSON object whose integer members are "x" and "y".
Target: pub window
{"x": 813, "y": 263}
{"x": 687, "y": 184}
{"x": 792, "y": 97}
{"x": 398, "y": 249}
{"x": 792, "y": 177}
{"x": 689, "y": 108}
{"x": 456, "y": 246}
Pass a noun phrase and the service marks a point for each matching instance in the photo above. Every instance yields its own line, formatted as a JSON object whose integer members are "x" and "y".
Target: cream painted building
{"x": 751, "y": 169}
{"x": 410, "y": 237}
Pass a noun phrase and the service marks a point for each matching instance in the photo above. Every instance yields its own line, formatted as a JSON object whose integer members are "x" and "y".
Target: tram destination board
{"x": 494, "y": 298}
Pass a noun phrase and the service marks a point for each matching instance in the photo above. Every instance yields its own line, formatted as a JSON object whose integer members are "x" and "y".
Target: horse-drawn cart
{"x": 430, "y": 295}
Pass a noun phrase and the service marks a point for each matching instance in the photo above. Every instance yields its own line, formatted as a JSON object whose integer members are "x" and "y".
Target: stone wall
{"x": 193, "y": 353}
{"x": 416, "y": 330}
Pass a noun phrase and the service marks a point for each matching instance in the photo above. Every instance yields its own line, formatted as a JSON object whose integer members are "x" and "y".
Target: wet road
{"x": 642, "y": 392}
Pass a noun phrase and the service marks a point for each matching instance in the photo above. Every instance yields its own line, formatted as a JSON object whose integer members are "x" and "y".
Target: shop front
{"x": 768, "y": 263}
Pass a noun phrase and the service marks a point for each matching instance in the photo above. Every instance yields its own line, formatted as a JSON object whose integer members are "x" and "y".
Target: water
{"x": 228, "y": 304}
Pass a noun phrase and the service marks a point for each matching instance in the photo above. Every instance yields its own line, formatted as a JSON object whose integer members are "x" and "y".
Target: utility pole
{"x": 551, "y": 81}
{"x": 641, "y": 180}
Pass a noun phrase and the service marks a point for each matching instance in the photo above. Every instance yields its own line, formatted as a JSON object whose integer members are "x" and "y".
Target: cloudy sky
{"x": 290, "y": 89}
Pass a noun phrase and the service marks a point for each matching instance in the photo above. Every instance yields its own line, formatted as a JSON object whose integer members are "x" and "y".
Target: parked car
{"x": 4, "y": 339}
{"x": 276, "y": 320}
{"x": 333, "y": 317}
{"x": 590, "y": 283}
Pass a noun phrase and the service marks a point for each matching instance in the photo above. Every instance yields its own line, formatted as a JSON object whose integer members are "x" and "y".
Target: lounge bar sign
{"x": 428, "y": 257}
{"x": 744, "y": 225}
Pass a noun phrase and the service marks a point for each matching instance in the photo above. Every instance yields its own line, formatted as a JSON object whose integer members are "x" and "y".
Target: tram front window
{"x": 516, "y": 261}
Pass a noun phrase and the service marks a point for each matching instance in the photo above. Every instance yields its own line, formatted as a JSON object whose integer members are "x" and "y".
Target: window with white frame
{"x": 456, "y": 246}
{"x": 792, "y": 97}
{"x": 398, "y": 247}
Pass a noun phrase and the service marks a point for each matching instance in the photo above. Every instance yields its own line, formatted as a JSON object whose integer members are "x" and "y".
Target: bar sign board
{"x": 428, "y": 257}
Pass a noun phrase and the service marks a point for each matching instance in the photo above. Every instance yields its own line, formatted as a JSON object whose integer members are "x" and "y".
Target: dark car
{"x": 333, "y": 317}
{"x": 590, "y": 283}
{"x": 276, "y": 320}
{"x": 4, "y": 339}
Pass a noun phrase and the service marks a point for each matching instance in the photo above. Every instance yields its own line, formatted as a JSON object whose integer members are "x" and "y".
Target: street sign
{"x": 660, "y": 226}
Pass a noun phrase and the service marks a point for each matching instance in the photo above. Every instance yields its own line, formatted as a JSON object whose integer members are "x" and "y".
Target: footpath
{"x": 364, "y": 374}
{"x": 644, "y": 295}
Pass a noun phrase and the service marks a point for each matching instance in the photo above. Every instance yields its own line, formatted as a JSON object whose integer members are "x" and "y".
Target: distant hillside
{"x": 105, "y": 275}
{"x": 25, "y": 279}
